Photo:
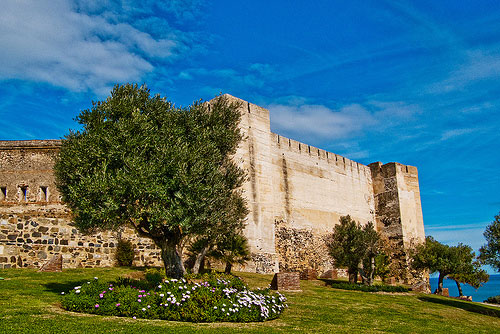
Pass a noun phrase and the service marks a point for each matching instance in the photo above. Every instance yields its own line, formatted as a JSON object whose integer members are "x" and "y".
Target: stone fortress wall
{"x": 296, "y": 193}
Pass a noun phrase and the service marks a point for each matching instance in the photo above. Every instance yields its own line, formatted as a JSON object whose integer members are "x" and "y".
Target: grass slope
{"x": 29, "y": 303}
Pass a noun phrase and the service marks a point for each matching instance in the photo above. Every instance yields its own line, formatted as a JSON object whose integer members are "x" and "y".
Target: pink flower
{"x": 118, "y": 304}
{"x": 139, "y": 300}
{"x": 96, "y": 305}
{"x": 101, "y": 295}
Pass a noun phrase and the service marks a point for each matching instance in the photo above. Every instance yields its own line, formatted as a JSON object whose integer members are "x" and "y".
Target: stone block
{"x": 286, "y": 282}
{"x": 445, "y": 292}
{"x": 390, "y": 280}
{"x": 309, "y": 275}
{"x": 466, "y": 298}
{"x": 421, "y": 286}
{"x": 330, "y": 274}
{"x": 54, "y": 264}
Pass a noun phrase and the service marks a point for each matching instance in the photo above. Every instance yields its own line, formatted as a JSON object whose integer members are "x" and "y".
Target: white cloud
{"x": 57, "y": 42}
{"x": 476, "y": 65}
{"x": 300, "y": 118}
{"x": 449, "y": 134}
{"x": 318, "y": 120}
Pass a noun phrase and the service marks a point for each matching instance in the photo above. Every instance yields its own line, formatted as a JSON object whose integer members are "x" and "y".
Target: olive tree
{"x": 457, "y": 262}
{"x": 490, "y": 253}
{"x": 350, "y": 245}
{"x": 140, "y": 161}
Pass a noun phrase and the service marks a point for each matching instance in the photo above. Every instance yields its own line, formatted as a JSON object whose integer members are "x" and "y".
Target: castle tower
{"x": 398, "y": 210}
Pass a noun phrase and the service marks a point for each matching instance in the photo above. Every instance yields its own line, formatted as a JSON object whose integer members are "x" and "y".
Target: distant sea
{"x": 491, "y": 288}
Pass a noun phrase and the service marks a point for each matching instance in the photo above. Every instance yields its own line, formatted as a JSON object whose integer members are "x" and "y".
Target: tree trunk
{"x": 372, "y": 270}
{"x": 440, "y": 283}
{"x": 229, "y": 266}
{"x": 172, "y": 260}
{"x": 353, "y": 276}
{"x": 199, "y": 260}
{"x": 460, "y": 293}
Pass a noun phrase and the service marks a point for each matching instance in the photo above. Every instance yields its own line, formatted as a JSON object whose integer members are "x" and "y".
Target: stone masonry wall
{"x": 35, "y": 225}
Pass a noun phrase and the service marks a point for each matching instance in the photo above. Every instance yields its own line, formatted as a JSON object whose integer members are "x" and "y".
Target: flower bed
{"x": 208, "y": 300}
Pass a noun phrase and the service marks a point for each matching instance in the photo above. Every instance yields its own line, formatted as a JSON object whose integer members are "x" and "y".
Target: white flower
{"x": 96, "y": 278}
{"x": 62, "y": 293}
{"x": 215, "y": 307}
{"x": 162, "y": 295}
{"x": 159, "y": 286}
{"x": 77, "y": 287}
{"x": 77, "y": 291}
{"x": 143, "y": 309}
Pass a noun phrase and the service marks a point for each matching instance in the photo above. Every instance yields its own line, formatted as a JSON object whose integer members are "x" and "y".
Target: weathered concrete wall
{"x": 296, "y": 193}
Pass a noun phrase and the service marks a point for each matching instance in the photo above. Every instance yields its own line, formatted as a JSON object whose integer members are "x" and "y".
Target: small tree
{"x": 435, "y": 257}
{"x": 490, "y": 253}
{"x": 371, "y": 242}
{"x": 124, "y": 253}
{"x": 454, "y": 261}
{"x": 215, "y": 234}
{"x": 232, "y": 248}
{"x": 139, "y": 161}
{"x": 382, "y": 265}
{"x": 350, "y": 244}
{"x": 475, "y": 277}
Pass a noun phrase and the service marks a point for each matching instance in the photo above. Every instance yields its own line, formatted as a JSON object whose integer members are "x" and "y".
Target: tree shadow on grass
{"x": 58, "y": 287}
{"x": 464, "y": 305}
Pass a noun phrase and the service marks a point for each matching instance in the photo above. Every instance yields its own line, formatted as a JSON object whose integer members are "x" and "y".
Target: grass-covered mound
{"x": 210, "y": 299}
{"x": 369, "y": 288}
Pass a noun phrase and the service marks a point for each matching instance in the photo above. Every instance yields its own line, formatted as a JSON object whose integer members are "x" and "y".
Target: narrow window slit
{"x": 43, "y": 194}
{"x": 24, "y": 193}
{"x": 3, "y": 193}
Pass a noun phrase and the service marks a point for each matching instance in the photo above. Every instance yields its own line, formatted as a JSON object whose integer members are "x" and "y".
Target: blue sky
{"x": 413, "y": 82}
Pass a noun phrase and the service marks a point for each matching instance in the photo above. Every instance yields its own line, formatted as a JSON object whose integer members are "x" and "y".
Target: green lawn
{"x": 29, "y": 303}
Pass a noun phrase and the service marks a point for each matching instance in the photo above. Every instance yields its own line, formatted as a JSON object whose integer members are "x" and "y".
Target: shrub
{"x": 493, "y": 300}
{"x": 217, "y": 298}
{"x": 124, "y": 253}
{"x": 155, "y": 276}
{"x": 369, "y": 288}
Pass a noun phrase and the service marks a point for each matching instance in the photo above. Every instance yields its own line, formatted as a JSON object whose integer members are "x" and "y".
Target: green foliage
{"x": 493, "y": 300}
{"x": 350, "y": 245}
{"x": 457, "y": 261}
{"x": 125, "y": 254}
{"x": 166, "y": 171}
{"x": 382, "y": 265}
{"x": 214, "y": 299}
{"x": 468, "y": 270}
{"x": 369, "y": 288}
{"x": 490, "y": 253}
{"x": 233, "y": 248}
{"x": 154, "y": 276}
{"x": 434, "y": 256}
